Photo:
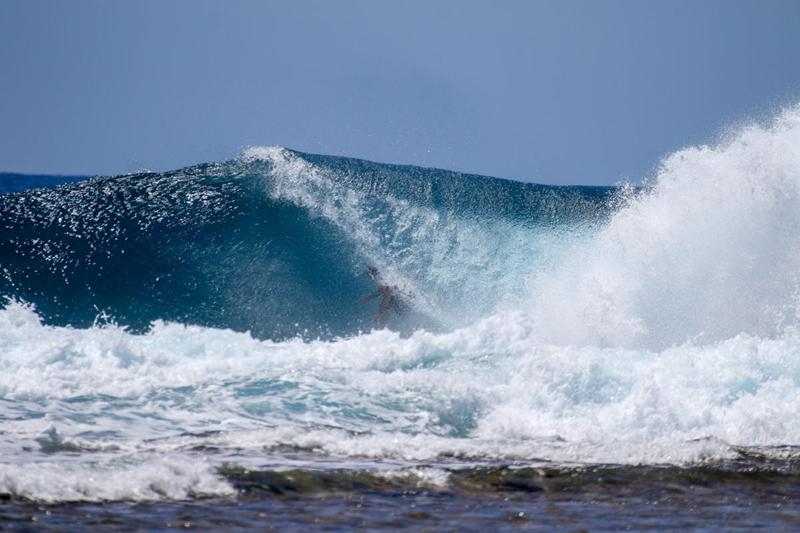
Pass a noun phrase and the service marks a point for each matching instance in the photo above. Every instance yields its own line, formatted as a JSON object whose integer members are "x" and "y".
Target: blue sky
{"x": 578, "y": 92}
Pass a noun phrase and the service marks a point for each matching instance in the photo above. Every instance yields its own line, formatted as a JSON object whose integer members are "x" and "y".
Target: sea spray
{"x": 709, "y": 251}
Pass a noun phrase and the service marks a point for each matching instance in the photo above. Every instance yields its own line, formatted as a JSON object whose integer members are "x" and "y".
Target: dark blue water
{"x": 10, "y": 182}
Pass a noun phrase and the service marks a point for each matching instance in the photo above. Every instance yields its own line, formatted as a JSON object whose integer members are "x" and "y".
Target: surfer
{"x": 388, "y": 299}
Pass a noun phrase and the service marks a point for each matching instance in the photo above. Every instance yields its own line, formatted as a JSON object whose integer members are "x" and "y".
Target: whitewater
{"x": 162, "y": 330}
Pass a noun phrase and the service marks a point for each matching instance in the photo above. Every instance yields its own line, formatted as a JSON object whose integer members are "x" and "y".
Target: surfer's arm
{"x": 370, "y": 296}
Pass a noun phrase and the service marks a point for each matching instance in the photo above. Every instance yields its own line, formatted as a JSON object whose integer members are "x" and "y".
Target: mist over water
{"x": 708, "y": 251}
{"x": 575, "y": 325}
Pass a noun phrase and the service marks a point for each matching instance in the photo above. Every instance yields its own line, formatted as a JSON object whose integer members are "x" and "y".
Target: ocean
{"x": 193, "y": 349}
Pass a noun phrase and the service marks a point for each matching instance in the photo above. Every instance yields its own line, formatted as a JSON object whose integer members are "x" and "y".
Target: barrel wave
{"x": 276, "y": 243}
{"x": 212, "y": 312}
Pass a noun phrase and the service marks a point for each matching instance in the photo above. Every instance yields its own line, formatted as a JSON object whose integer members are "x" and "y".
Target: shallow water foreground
{"x": 730, "y": 497}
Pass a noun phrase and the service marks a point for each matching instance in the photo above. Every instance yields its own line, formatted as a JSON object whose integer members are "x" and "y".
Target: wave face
{"x": 544, "y": 325}
{"x": 277, "y": 243}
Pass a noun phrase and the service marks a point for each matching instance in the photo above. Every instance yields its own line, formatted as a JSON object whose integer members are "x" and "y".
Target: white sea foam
{"x": 486, "y": 392}
{"x": 152, "y": 478}
{"x": 424, "y": 477}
